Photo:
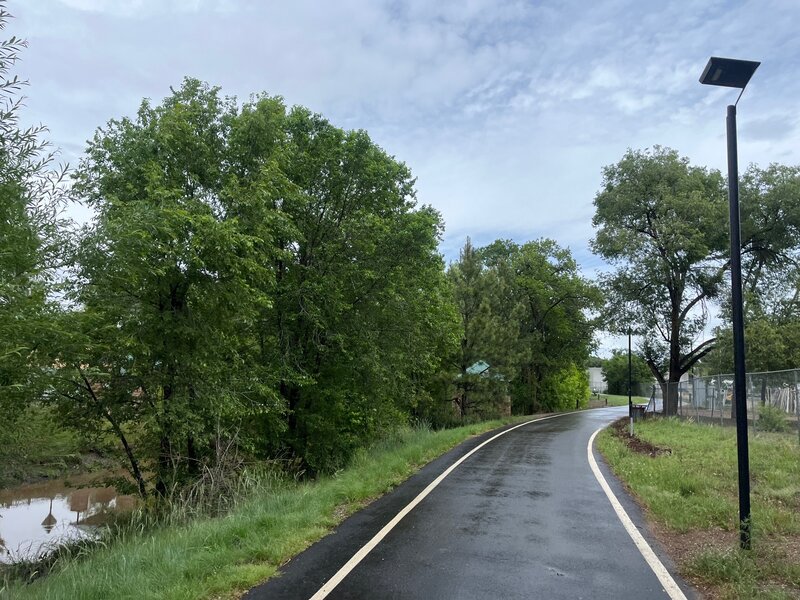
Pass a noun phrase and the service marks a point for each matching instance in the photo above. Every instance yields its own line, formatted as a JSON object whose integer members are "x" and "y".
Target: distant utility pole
{"x": 630, "y": 384}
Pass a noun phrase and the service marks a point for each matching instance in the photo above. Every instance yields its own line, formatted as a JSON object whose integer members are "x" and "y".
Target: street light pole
{"x": 630, "y": 377}
{"x": 736, "y": 73}
{"x": 739, "y": 372}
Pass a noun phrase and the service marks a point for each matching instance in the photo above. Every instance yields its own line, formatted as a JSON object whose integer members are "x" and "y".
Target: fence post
{"x": 752, "y": 403}
{"x": 796, "y": 412}
{"x": 721, "y": 399}
{"x": 713, "y": 394}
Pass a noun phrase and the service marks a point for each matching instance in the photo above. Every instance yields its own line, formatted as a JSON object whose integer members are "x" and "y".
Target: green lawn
{"x": 221, "y": 557}
{"x": 692, "y": 495}
{"x": 615, "y": 400}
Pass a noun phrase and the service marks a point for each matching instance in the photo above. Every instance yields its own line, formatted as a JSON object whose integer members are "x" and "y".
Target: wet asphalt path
{"x": 524, "y": 517}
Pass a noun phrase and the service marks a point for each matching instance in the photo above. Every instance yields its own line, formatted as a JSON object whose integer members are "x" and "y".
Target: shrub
{"x": 772, "y": 418}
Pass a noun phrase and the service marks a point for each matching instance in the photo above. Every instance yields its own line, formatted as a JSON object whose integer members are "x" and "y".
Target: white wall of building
{"x": 596, "y": 380}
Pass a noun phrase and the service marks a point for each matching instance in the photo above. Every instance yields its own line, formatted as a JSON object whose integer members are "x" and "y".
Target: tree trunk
{"x": 536, "y": 386}
{"x": 671, "y": 393}
{"x": 671, "y": 399}
{"x": 135, "y": 470}
{"x": 464, "y": 404}
{"x": 164, "y": 465}
{"x": 134, "y": 464}
{"x": 192, "y": 456}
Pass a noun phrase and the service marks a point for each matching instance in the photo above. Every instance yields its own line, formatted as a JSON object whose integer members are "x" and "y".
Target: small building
{"x": 597, "y": 383}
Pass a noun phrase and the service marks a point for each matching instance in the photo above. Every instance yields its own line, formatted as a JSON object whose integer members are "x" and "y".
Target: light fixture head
{"x": 728, "y": 72}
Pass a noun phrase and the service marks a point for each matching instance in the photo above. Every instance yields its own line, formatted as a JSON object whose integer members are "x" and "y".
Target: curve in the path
{"x": 522, "y": 517}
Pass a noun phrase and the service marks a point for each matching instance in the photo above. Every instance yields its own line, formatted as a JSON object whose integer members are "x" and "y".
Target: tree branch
{"x": 696, "y": 354}
{"x": 689, "y": 306}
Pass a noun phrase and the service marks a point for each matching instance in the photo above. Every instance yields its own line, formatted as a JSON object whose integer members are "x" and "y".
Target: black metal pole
{"x": 739, "y": 389}
{"x": 630, "y": 400}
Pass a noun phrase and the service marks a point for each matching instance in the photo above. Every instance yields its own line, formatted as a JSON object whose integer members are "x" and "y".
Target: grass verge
{"x": 221, "y": 557}
{"x": 689, "y": 490}
{"x": 615, "y": 400}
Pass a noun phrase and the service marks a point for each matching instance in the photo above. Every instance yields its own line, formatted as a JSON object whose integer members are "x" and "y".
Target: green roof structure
{"x": 478, "y": 368}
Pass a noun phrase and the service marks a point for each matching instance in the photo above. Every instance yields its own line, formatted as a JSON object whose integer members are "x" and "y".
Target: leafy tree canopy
{"x": 660, "y": 222}
{"x": 526, "y": 309}
{"x": 31, "y": 197}
{"x": 663, "y": 224}
{"x": 615, "y": 371}
{"x": 252, "y": 271}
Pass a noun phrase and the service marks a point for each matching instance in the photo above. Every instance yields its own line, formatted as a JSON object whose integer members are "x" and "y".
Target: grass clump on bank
{"x": 220, "y": 557}
{"x": 691, "y": 493}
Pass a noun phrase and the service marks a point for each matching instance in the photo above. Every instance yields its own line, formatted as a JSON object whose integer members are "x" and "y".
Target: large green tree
{"x": 527, "y": 308}
{"x": 770, "y": 229}
{"x": 361, "y": 310}
{"x": 170, "y": 280}
{"x": 771, "y": 243}
{"x": 253, "y": 272}
{"x": 489, "y": 325}
{"x": 661, "y": 223}
{"x": 557, "y": 326}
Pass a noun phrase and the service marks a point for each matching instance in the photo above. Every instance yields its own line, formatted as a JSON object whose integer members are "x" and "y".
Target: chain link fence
{"x": 773, "y": 399}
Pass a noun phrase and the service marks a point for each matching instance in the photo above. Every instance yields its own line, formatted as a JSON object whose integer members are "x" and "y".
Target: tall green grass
{"x": 694, "y": 492}
{"x": 220, "y": 557}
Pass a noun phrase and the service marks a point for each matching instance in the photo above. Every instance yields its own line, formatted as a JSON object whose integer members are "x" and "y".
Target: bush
{"x": 772, "y": 418}
{"x": 566, "y": 390}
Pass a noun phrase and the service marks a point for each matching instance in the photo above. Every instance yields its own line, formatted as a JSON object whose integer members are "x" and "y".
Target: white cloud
{"x": 506, "y": 110}
{"x": 133, "y": 8}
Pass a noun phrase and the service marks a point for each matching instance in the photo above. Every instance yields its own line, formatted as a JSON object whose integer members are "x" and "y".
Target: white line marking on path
{"x": 351, "y": 564}
{"x": 644, "y": 548}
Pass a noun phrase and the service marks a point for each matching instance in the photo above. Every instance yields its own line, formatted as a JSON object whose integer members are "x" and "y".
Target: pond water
{"x": 38, "y": 517}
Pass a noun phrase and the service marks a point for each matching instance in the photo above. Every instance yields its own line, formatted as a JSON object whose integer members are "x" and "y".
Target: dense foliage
{"x": 663, "y": 224}
{"x": 252, "y": 272}
{"x": 615, "y": 371}
{"x": 30, "y": 198}
{"x": 771, "y": 239}
{"x": 256, "y": 280}
{"x": 526, "y": 312}
{"x": 259, "y": 279}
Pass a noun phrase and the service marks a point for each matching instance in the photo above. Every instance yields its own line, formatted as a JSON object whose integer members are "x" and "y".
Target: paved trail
{"x": 522, "y": 517}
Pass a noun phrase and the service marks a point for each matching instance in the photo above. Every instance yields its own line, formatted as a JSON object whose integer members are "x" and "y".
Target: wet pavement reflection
{"x": 38, "y": 517}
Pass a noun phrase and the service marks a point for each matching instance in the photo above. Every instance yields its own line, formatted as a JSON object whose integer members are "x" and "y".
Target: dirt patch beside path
{"x": 620, "y": 429}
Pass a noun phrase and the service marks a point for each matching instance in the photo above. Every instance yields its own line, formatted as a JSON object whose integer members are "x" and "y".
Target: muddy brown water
{"x": 36, "y": 518}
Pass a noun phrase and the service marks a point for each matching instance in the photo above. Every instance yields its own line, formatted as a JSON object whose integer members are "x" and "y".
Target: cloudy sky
{"x": 505, "y": 110}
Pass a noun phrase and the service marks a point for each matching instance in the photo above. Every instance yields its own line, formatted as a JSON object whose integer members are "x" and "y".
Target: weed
{"x": 772, "y": 418}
